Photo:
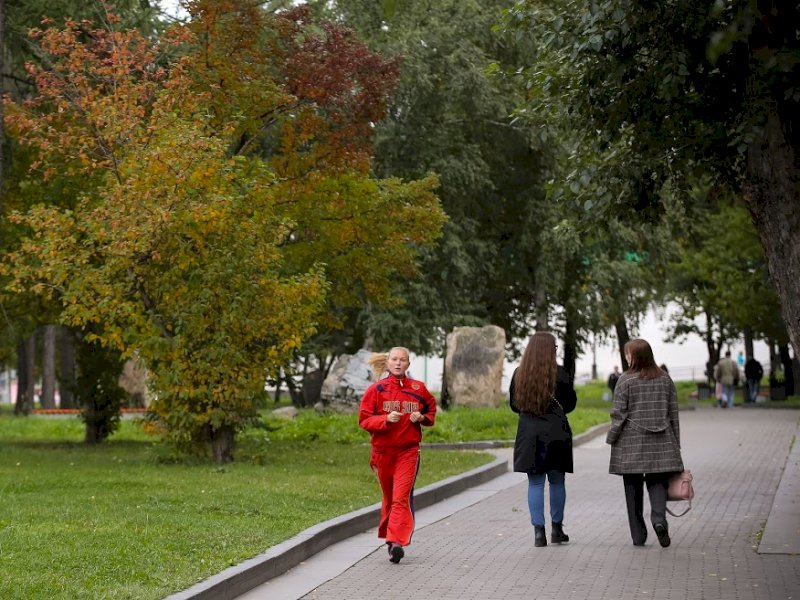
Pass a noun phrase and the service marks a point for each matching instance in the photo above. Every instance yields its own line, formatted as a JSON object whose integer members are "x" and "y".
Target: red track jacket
{"x": 403, "y": 395}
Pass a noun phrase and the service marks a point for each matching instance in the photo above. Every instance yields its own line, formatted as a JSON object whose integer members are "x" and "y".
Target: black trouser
{"x": 634, "y": 499}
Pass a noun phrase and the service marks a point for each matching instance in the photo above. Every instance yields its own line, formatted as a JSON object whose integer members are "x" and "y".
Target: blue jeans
{"x": 558, "y": 497}
{"x": 752, "y": 389}
{"x": 728, "y": 392}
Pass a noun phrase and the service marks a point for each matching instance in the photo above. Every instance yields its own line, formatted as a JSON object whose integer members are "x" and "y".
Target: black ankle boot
{"x": 558, "y": 536}
{"x": 539, "y": 536}
{"x": 662, "y": 534}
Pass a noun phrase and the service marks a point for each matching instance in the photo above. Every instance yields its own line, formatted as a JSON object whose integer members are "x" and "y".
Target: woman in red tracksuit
{"x": 393, "y": 410}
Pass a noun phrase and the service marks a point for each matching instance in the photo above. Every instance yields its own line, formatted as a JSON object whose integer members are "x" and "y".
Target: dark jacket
{"x": 544, "y": 442}
{"x": 644, "y": 434}
{"x": 612, "y": 381}
{"x": 753, "y": 369}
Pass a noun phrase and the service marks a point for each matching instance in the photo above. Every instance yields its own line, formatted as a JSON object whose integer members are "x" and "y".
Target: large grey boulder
{"x": 474, "y": 365}
{"x": 347, "y": 381}
{"x": 285, "y": 413}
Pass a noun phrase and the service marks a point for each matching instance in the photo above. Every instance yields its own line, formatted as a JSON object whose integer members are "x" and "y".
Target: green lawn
{"x": 122, "y": 521}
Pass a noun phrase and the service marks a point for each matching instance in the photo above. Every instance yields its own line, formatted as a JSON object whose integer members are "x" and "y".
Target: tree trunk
{"x": 66, "y": 361}
{"x": 713, "y": 348}
{"x": 570, "y": 346}
{"x": 48, "y": 399}
{"x": 773, "y": 357}
{"x": 541, "y": 310}
{"x": 91, "y": 431}
{"x": 278, "y": 388}
{"x": 788, "y": 371}
{"x": 25, "y": 376}
{"x": 294, "y": 391}
{"x": 623, "y": 337}
{"x": 444, "y": 393}
{"x": 312, "y": 387}
{"x": 301, "y": 399}
{"x": 222, "y": 442}
{"x": 772, "y": 194}
{"x": 748, "y": 341}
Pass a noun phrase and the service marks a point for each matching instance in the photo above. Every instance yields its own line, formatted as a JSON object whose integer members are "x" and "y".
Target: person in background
{"x": 613, "y": 378}
{"x": 393, "y": 411}
{"x": 740, "y": 360}
{"x": 727, "y": 373}
{"x": 541, "y": 393}
{"x": 753, "y": 372}
{"x": 645, "y": 440}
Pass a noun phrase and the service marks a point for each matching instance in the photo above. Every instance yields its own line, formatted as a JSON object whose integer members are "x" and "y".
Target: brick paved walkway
{"x": 486, "y": 550}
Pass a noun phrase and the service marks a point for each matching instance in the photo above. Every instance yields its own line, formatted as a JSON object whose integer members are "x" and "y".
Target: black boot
{"x": 539, "y": 536}
{"x": 558, "y": 536}
{"x": 662, "y": 534}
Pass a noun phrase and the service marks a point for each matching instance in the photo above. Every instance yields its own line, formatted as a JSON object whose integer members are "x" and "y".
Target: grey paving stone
{"x": 485, "y": 551}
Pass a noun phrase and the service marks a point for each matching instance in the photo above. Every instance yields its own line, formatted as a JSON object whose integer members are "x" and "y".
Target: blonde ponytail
{"x": 378, "y": 363}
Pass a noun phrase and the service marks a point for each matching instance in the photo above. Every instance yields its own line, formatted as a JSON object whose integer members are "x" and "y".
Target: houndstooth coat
{"x": 644, "y": 433}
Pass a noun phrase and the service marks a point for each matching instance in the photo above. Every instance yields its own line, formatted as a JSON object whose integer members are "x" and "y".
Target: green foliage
{"x": 457, "y": 424}
{"x": 97, "y": 390}
{"x": 451, "y": 116}
{"x": 579, "y": 282}
{"x": 722, "y": 273}
{"x": 230, "y": 210}
{"x": 662, "y": 97}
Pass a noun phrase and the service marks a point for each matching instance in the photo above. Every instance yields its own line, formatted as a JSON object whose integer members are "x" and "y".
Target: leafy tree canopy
{"x": 671, "y": 93}
{"x": 451, "y": 116}
{"x": 232, "y": 186}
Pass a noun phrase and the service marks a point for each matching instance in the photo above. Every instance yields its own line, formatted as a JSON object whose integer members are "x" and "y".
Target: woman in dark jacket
{"x": 645, "y": 439}
{"x": 542, "y": 393}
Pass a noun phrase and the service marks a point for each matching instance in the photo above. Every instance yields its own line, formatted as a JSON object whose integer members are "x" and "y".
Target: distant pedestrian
{"x": 753, "y": 372}
{"x": 727, "y": 375}
{"x": 393, "y": 410}
{"x": 541, "y": 393}
{"x": 740, "y": 360}
{"x": 613, "y": 378}
{"x": 645, "y": 440}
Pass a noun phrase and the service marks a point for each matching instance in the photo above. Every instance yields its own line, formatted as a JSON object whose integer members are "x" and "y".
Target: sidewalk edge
{"x": 243, "y": 577}
{"x": 239, "y": 579}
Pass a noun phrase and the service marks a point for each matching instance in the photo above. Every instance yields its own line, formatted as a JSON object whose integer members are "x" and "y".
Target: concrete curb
{"x": 239, "y": 579}
{"x": 235, "y": 581}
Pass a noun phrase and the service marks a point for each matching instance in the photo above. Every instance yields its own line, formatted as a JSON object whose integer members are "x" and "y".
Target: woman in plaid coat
{"x": 645, "y": 439}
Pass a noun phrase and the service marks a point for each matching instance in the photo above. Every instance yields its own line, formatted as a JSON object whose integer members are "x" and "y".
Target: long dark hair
{"x": 535, "y": 378}
{"x": 642, "y": 361}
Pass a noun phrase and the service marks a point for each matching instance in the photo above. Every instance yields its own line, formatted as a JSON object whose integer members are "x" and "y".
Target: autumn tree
{"x": 225, "y": 193}
{"x": 27, "y": 319}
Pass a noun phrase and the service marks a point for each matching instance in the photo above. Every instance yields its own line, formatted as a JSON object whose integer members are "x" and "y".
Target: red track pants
{"x": 396, "y": 472}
